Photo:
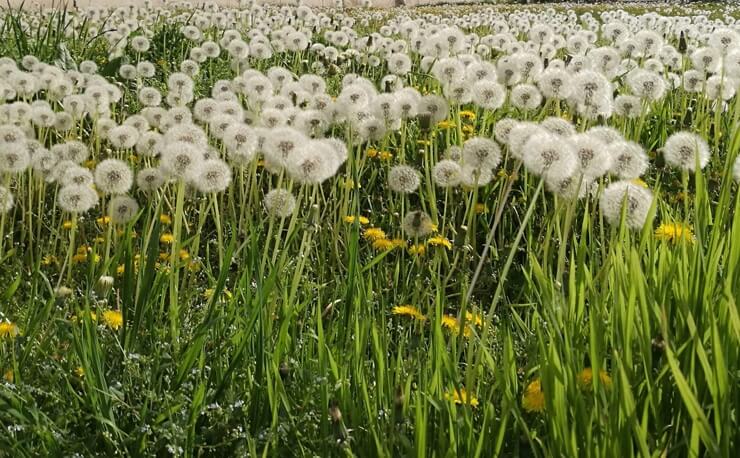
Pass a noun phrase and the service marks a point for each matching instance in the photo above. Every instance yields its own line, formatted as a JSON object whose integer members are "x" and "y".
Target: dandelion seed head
{"x": 636, "y": 200}
{"x": 403, "y": 179}
{"x": 280, "y": 203}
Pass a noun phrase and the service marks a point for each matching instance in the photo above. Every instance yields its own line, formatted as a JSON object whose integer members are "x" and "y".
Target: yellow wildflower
{"x": 398, "y": 243}
{"x": 385, "y": 156}
{"x": 674, "y": 232}
{"x": 79, "y": 258}
{"x": 80, "y": 371}
{"x": 422, "y": 142}
{"x": 48, "y": 260}
{"x": 120, "y": 269}
{"x": 467, "y": 114}
{"x": 349, "y": 183}
{"x": 371, "y": 153}
{"x": 103, "y": 220}
{"x": 99, "y": 240}
{"x": 90, "y": 164}
{"x": 639, "y": 182}
{"x": 8, "y": 330}
{"x": 409, "y": 311}
{"x": 113, "y": 319}
{"x": 461, "y": 396}
{"x": 68, "y": 225}
{"x": 418, "y": 249}
{"x": 374, "y": 233}
{"x": 184, "y": 255}
{"x": 445, "y": 125}
{"x": 585, "y": 379}
{"x": 165, "y": 219}
{"x": 383, "y": 244}
{"x": 167, "y": 238}
{"x": 480, "y": 208}
{"x": 533, "y": 399}
{"x": 467, "y": 129}
{"x": 351, "y": 219}
{"x": 9, "y": 376}
{"x": 440, "y": 241}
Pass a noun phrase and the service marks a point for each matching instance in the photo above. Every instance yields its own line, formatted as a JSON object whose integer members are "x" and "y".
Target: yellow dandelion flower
{"x": 409, "y": 311}
{"x": 167, "y": 238}
{"x": 398, "y": 243}
{"x": 371, "y": 153}
{"x": 79, "y": 371}
{"x": 423, "y": 142}
{"x": 440, "y": 241}
{"x": 120, "y": 269}
{"x": 99, "y": 240}
{"x": 639, "y": 182}
{"x": 163, "y": 256}
{"x": 9, "y": 330}
{"x": 351, "y": 219}
{"x": 461, "y": 396}
{"x": 48, "y": 260}
{"x": 374, "y": 233}
{"x": 674, "y": 232}
{"x": 475, "y": 318}
{"x": 533, "y": 399}
{"x": 349, "y": 183}
{"x": 103, "y": 220}
{"x": 385, "y": 156}
{"x": 90, "y": 164}
{"x": 79, "y": 258}
{"x": 453, "y": 325}
{"x": 165, "y": 219}
{"x": 585, "y": 379}
{"x": 383, "y": 244}
{"x": 467, "y": 114}
{"x": 113, "y": 319}
{"x": 443, "y": 125}
{"x": 418, "y": 249}
{"x": 480, "y": 208}
{"x": 207, "y": 294}
{"x": 184, "y": 255}
{"x": 68, "y": 225}
{"x": 467, "y": 129}
{"x": 194, "y": 266}
{"x": 9, "y": 376}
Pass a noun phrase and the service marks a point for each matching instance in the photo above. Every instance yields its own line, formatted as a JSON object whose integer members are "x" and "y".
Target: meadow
{"x": 469, "y": 231}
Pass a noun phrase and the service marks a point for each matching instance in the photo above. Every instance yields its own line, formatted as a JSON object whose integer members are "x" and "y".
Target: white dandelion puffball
{"x": 550, "y": 155}
{"x": 446, "y": 173}
{"x": 280, "y": 203}
{"x": 6, "y": 200}
{"x": 635, "y": 200}
{"x": 481, "y": 152}
{"x": 122, "y": 209}
{"x": 685, "y": 150}
{"x": 212, "y": 175}
{"x": 77, "y": 199}
{"x": 628, "y": 159}
{"x": 403, "y": 179}
{"x": 150, "y": 179}
{"x": 113, "y": 176}
{"x": 417, "y": 224}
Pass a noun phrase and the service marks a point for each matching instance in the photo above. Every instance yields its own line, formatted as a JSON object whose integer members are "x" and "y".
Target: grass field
{"x": 446, "y": 231}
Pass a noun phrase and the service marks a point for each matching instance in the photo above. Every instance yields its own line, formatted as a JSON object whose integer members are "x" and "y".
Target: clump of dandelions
{"x": 635, "y": 199}
{"x": 122, "y": 209}
{"x": 403, "y": 179}
{"x": 113, "y": 176}
{"x": 685, "y": 150}
{"x": 417, "y": 224}
{"x": 280, "y": 203}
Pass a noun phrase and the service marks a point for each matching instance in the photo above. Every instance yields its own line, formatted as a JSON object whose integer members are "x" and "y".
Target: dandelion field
{"x": 440, "y": 231}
